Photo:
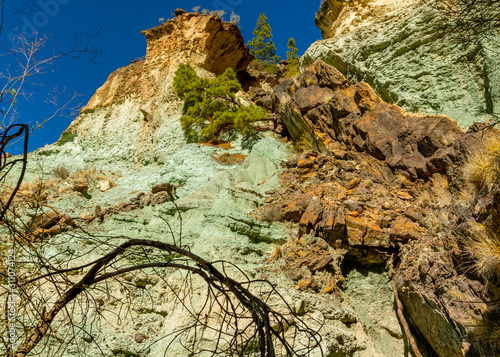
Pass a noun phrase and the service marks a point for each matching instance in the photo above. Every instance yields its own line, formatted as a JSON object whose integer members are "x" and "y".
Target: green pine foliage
{"x": 292, "y": 59}
{"x": 262, "y": 46}
{"x": 210, "y": 105}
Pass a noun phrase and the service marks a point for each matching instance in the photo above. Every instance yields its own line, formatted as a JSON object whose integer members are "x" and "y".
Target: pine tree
{"x": 210, "y": 105}
{"x": 262, "y": 46}
{"x": 292, "y": 59}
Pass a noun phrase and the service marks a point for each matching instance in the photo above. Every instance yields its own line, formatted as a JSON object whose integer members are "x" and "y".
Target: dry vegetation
{"x": 483, "y": 169}
{"x": 482, "y": 243}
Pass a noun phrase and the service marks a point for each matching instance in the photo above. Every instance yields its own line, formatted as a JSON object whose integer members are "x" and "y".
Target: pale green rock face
{"x": 214, "y": 204}
{"x": 398, "y": 49}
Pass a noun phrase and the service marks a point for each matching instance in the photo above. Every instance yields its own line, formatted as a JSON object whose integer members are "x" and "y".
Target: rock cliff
{"x": 356, "y": 226}
{"x": 123, "y": 153}
{"x": 387, "y": 189}
{"x": 401, "y": 50}
{"x": 133, "y": 118}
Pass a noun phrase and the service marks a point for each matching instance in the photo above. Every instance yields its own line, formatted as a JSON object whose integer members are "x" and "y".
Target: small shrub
{"x": 426, "y": 198}
{"x": 276, "y": 253}
{"x": 235, "y": 19}
{"x": 482, "y": 245}
{"x": 61, "y": 172}
{"x": 219, "y": 13}
{"x": 483, "y": 168}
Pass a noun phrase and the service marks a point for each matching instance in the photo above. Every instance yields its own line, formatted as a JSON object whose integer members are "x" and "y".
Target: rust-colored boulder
{"x": 403, "y": 228}
{"x": 450, "y": 310}
{"x": 294, "y": 210}
{"x": 49, "y": 224}
{"x": 325, "y": 76}
{"x": 356, "y": 229}
{"x": 415, "y": 214}
{"x": 312, "y": 96}
{"x": 44, "y": 220}
{"x": 261, "y": 98}
{"x": 306, "y": 283}
{"x": 311, "y": 216}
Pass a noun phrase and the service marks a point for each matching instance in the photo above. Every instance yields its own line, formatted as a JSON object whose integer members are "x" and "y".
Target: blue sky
{"x": 121, "y": 41}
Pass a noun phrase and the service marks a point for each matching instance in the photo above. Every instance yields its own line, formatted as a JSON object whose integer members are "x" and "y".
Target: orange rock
{"x": 374, "y": 236}
{"x": 301, "y": 241}
{"x": 403, "y": 228}
{"x": 356, "y": 230}
{"x": 312, "y": 215}
{"x": 306, "y": 163}
{"x": 353, "y": 183}
{"x": 44, "y": 220}
{"x": 320, "y": 262}
{"x": 330, "y": 288}
{"x": 404, "y": 195}
{"x": 295, "y": 209}
{"x": 305, "y": 283}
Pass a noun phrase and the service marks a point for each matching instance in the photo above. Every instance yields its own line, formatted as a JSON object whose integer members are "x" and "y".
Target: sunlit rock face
{"x": 398, "y": 47}
{"x": 124, "y": 146}
{"x": 132, "y": 119}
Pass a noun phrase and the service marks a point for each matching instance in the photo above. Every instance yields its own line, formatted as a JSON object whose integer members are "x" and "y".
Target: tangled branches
{"x": 74, "y": 285}
{"x": 12, "y": 134}
{"x": 471, "y": 21}
{"x": 240, "y": 323}
{"x": 233, "y": 317}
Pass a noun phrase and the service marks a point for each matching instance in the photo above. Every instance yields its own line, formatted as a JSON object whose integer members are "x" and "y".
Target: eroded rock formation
{"x": 356, "y": 116}
{"x": 368, "y": 208}
{"x": 400, "y": 49}
{"x": 135, "y": 113}
{"x": 386, "y": 188}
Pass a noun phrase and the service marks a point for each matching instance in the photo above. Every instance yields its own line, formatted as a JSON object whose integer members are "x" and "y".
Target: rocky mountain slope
{"x": 402, "y": 51}
{"x": 354, "y": 212}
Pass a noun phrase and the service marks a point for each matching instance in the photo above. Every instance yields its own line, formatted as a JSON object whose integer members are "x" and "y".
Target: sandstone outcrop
{"x": 135, "y": 113}
{"x": 204, "y": 41}
{"x": 399, "y": 48}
